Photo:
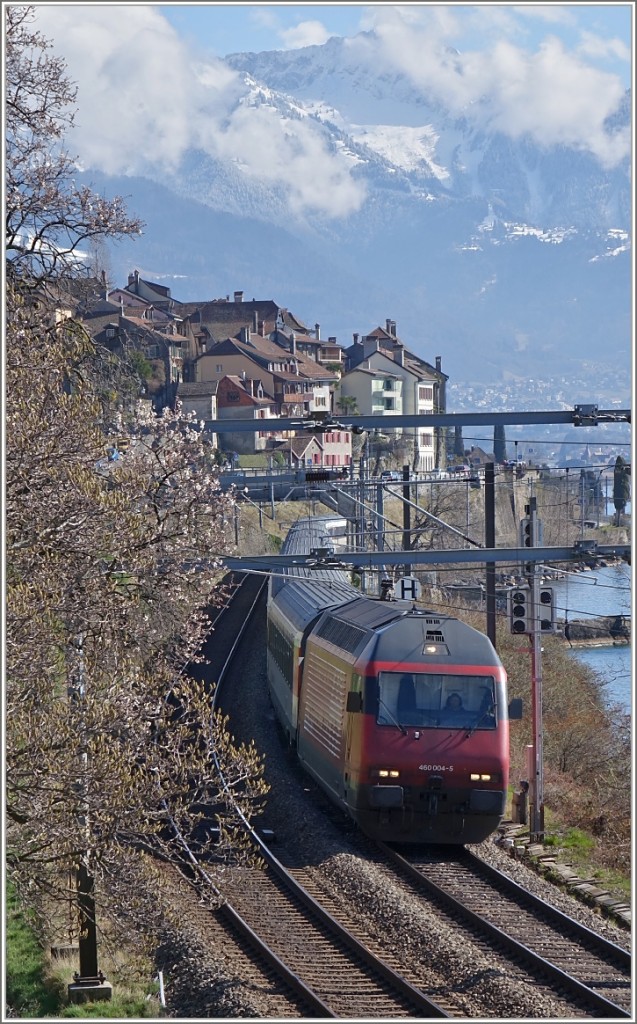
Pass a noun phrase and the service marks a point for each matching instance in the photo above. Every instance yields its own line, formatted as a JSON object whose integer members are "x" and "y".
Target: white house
{"x": 384, "y": 386}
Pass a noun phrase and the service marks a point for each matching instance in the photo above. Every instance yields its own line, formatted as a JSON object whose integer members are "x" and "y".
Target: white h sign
{"x": 408, "y": 589}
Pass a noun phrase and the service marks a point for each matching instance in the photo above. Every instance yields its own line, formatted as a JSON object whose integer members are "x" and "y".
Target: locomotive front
{"x": 422, "y": 751}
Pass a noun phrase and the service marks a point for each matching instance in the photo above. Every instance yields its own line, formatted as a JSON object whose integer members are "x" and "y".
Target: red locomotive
{"x": 399, "y": 713}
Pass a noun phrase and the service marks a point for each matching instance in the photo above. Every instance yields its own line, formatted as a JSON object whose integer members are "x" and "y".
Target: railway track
{"x": 315, "y": 957}
{"x": 303, "y": 936}
{"x": 347, "y": 978}
{"x": 590, "y": 969}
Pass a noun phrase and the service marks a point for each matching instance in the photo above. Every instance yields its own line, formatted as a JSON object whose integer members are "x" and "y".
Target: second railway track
{"x": 592, "y": 970}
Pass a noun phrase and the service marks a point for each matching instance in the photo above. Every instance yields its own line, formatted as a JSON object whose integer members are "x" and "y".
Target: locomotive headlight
{"x": 435, "y": 649}
{"x": 480, "y": 778}
{"x": 385, "y": 773}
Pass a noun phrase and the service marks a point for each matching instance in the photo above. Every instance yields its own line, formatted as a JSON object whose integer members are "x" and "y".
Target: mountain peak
{"x": 358, "y": 194}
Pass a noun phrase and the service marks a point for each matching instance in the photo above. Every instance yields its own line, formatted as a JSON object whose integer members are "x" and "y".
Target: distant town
{"x": 237, "y": 358}
{"x": 547, "y": 444}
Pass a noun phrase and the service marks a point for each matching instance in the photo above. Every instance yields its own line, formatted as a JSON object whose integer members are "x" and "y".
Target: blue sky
{"x": 602, "y": 31}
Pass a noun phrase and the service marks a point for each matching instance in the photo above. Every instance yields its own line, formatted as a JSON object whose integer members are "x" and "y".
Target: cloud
{"x": 306, "y": 33}
{"x": 145, "y": 100}
{"x": 551, "y": 94}
{"x": 592, "y": 45}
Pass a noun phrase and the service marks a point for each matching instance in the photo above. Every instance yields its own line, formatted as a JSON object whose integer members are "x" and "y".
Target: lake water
{"x": 604, "y": 591}
{"x": 610, "y": 508}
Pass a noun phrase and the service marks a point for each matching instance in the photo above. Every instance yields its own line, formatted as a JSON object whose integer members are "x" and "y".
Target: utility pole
{"x": 406, "y": 517}
{"x": 380, "y": 518}
{"x": 489, "y": 540}
{"x": 536, "y": 768}
{"x": 89, "y": 983}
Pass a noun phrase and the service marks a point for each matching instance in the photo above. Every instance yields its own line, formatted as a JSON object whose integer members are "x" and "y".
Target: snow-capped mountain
{"x": 494, "y": 252}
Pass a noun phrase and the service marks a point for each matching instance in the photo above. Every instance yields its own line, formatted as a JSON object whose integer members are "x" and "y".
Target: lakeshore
{"x": 592, "y": 599}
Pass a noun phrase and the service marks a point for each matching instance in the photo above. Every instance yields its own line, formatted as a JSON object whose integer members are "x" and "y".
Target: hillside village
{"x": 237, "y": 358}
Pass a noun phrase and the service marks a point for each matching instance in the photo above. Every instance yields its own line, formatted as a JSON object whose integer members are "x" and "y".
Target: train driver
{"x": 453, "y": 712}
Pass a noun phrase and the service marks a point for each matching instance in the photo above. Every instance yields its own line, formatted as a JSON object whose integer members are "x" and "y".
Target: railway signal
{"x": 519, "y": 610}
{"x": 546, "y": 611}
{"x": 521, "y": 619}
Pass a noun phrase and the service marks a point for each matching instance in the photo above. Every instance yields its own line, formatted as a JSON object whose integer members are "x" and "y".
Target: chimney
{"x": 388, "y": 326}
{"x": 262, "y": 328}
{"x": 399, "y": 354}
{"x": 255, "y": 322}
{"x": 438, "y": 362}
{"x": 245, "y": 334}
{"x": 317, "y": 331}
{"x": 293, "y": 343}
{"x": 238, "y": 296}
{"x": 355, "y": 337}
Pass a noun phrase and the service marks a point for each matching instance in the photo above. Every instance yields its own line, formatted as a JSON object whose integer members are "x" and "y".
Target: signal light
{"x": 519, "y": 610}
{"x": 519, "y": 605}
{"x": 527, "y": 540}
{"x": 546, "y": 610}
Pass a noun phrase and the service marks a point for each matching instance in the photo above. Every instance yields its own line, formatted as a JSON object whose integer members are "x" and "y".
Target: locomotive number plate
{"x": 435, "y": 767}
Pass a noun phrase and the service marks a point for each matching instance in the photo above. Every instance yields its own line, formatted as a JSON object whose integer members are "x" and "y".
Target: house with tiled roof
{"x": 377, "y": 391}
{"x": 332, "y": 449}
{"x": 423, "y": 388}
{"x": 156, "y": 294}
{"x": 77, "y": 293}
{"x": 301, "y": 451}
{"x": 243, "y": 398}
{"x": 297, "y": 343}
{"x": 298, "y": 385}
{"x": 127, "y": 334}
{"x": 200, "y": 399}
{"x": 100, "y": 308}
{"x": 223, "y": 318}
{"x": 133, "y": 305}
{"x": 478, "y": 458}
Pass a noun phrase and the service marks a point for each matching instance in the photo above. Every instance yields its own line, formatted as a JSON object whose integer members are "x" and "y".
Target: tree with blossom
{"x": 48, "y": 217}
{"x": 111, "y": 748}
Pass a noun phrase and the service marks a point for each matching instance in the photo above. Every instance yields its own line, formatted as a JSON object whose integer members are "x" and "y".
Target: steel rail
{"x": 415, "y": 995}
{"x": 421, "y": 1002}
{"x": 232, "y": 918}
{"x": 578, "y": 988}
{"x": 622, "y": 956}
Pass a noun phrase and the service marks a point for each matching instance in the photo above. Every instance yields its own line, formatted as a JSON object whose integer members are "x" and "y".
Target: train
{"x": 399, "y": 713}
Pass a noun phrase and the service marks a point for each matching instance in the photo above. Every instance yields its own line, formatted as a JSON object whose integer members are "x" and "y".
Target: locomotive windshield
{"x": 436, "y": 701}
